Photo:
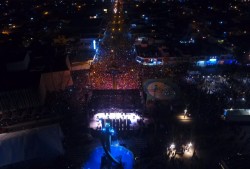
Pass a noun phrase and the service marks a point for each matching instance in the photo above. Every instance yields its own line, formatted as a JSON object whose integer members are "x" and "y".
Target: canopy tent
{"x": 39, "y": 143}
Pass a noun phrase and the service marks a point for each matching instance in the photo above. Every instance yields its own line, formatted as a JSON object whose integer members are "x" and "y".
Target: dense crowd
{"x": 115, "y": 68}
{"x": 119, "y": 99}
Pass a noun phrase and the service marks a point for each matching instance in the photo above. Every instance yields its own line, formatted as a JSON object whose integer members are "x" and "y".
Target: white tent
{"x": 43, "y": 142}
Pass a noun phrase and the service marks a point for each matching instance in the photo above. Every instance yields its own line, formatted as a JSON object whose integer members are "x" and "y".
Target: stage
{"x": 118, "y": 120}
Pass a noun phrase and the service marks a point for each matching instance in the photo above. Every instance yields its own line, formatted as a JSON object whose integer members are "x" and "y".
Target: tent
{"x": 38, "y": 143}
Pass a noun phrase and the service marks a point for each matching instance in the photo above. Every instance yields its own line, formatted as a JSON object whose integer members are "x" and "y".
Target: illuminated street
{"x": 121, "y": 84}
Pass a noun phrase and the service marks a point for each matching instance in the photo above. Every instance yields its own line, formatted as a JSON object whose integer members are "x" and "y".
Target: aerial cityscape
{"x": 122, "y": 84}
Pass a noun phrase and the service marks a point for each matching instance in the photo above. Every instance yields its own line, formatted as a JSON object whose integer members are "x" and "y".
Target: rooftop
{"x": 19, "y": 80}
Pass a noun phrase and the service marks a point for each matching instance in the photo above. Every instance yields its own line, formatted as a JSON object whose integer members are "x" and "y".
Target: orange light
{"x": 5, "y": 32}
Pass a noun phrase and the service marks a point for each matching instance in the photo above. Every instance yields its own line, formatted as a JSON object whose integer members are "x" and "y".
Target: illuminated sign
{"x": 212, "y": 60}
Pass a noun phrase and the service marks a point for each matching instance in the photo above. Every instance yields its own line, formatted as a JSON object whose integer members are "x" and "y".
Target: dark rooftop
{"x": 19, "y": 80}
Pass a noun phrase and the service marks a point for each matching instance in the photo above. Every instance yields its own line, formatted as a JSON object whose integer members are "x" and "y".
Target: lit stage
{"x": 118, "y": 120}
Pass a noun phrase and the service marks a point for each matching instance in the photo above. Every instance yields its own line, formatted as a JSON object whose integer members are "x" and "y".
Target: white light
{"x": 94, "y": 44}
{"x": 172, "y": 146}
{"x": 117, "y": 115}
{"x": 212, "y": 60}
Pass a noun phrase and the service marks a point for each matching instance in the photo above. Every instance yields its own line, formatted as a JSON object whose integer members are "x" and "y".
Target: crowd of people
{"x": 128, "y": 73}
{"x": 233, "y": 90}
{"x": 121, "y": 99}
{"x": 114, "y": 69}
{"x": 209, "y": 84}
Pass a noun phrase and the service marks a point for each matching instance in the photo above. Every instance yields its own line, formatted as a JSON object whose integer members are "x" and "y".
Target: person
{"x": 185, "y": 113}
{"x": 194, "y": 153}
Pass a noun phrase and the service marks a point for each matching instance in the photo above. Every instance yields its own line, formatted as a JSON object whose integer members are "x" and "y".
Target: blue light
{"x": 94, "y": 160}
{"x": 133, "y": 25}
{"x": 212, "y": 60}
{"x": 112, "y": 131}
{"x": 225, "y": 112}
{"x": 94, "y": 44}
{"x": 201, "y": 63}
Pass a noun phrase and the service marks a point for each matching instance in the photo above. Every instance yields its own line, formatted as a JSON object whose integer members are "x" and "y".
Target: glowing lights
{"x": 112, "y": 131}
{"x": 79, "y": 7}
{"x": 45, "y": 13}
{"x": 117, "y": 115}
{"x": 4, "y": 32}
{"x": 94, "y": 44}
{"x": 172, "y": 146}
{"x": 98, "y": 119}
{"x": 187, "y": 41}
{"x": 133, "y": 25}
{"x": 213, "y": 60}
{"x": 220, "y": 41}
{"x": 93, "y": 17}
{"x": 184, "y": 118}
{"x": 108, "y": 129}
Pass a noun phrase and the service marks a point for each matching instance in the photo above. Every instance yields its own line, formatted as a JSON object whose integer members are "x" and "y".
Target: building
{"x": 150, "y": 51}
{"x": 236, "y": 115}
{"x": 83, "y": 54}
